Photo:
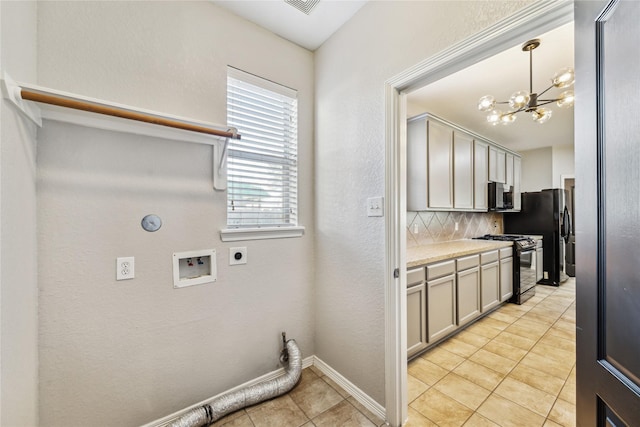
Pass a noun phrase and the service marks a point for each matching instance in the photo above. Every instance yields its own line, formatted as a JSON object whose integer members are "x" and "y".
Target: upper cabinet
{"x": 463, "y": 162}
{"x": 448, "y": 168}
{"x": 497, "y": 164}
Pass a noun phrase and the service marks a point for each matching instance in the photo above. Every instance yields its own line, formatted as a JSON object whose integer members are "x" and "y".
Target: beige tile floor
{"x": 315, "y": 401}
{"x": 515, "y": 367}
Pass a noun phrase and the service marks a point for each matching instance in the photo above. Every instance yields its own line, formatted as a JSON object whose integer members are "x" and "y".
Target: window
{"x": 262, "y": 169}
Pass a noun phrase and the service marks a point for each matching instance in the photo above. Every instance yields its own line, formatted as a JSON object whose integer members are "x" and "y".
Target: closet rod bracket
{"x": 12, "y": 91}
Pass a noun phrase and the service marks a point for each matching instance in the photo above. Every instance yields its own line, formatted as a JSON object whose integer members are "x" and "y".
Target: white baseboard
{"x": 350, "y": 388}
{"x": 354, "y": 391}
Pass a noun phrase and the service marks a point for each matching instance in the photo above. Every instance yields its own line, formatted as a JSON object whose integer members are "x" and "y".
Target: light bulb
{"x": 486, "y": 103}
{"x": 494, "y": 117}
{"x": 566, "y": 99}
{"x": 541, "y": 115}
{"x": 519, "y": 99}
{"x": 563, "y": 78}
{"x": 507, "y": 118}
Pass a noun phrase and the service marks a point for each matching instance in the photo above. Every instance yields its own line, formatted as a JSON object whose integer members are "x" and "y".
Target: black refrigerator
{"x": 544, "y": 213}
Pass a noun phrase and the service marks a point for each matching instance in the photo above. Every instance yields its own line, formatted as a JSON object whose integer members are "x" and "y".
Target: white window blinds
{"x": 262, "y": 167}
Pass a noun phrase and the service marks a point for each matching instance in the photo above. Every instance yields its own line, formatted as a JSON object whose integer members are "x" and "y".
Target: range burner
{"x": 503, "y": 237}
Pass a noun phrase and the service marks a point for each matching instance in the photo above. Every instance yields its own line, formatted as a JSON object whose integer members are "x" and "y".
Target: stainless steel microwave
{"x": 500, "y": 196}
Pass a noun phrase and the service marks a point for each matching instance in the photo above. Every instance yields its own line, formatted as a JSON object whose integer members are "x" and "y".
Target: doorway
{"x": 530, "y": 21}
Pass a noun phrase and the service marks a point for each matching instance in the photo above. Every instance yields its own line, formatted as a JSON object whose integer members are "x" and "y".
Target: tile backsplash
{"x": 431, "y": 227}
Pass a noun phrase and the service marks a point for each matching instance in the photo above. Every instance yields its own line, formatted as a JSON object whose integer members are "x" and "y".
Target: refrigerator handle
{"x": 566, "y": 225}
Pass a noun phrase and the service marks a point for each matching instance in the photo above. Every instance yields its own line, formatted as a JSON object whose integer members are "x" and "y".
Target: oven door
{"x": 527, "y": 270}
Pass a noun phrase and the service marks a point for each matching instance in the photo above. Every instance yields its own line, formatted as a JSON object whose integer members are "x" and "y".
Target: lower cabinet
{"x": 468, "y": 290}
{"x": 416, "y": 319}
{"x": 441, "y": 307}
{"x": 443, "y": 296}
{"x": 539, "y": 261}
{"x": 489, "y": 280}
{"x": 506, "y": 278}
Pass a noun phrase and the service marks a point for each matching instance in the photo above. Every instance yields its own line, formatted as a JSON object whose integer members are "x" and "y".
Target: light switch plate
{"x": 375, "y": 206}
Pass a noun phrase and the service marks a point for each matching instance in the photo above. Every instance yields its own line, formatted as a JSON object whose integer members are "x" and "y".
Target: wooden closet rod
{"x": 125, "y": 114}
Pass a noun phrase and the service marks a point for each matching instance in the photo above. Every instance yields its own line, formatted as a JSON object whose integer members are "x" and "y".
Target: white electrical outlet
{"x": 456, "y": 226}
{"x": 125, "y": 268}
{"x": 416, "y": 228}
{"x": 237, "y": 256}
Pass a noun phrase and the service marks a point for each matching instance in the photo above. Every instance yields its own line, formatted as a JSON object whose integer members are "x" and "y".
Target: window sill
{"x": 238, "y": 234}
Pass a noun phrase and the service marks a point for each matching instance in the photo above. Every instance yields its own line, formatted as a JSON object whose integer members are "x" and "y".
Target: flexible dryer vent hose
{"x": 231, "y": 402}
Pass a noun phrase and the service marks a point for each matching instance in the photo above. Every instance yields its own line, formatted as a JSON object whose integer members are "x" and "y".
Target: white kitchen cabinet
{"x": 441, "y": 299}
{"x": 497, "y": 164}
{"x": 468, "y": 294}
{"x": 480, "y": 175}
{"x": 506, "y": 278}
{"x": 489, "y": 280}
{"x": 439, "y": 165}
{"x": 429, "y": 165}
{"x": 517, "y": 180}
{"x": 441, "y": 307}
{"x": 463, "y": 173}
{"x": 416, "y": 311}
{"x": 509, "y": 168}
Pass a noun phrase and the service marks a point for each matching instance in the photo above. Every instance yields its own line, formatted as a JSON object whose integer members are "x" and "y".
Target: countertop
{"x": 426, "y": 254}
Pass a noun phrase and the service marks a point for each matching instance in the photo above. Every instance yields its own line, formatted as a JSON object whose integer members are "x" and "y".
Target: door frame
{"x": 539, "y": 17}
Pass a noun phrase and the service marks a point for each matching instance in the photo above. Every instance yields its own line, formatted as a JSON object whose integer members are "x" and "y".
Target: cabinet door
{"x": 497, "y": 160}
{"x": 468, "y": 295}
{"x": 509, "y": 169}
{"x": 441, "y": 307}
{"x": 489, "y": 285}
{"x": 416, "y": 319}
{"x": 506, "y": 278}
{"x": 517, "y": 180}
{"x": 440, "y": 165}
{"x": 417, "y": 165}
{"x": 539, "y": 266}
{"x": 480, "y": 174}
{"x": 462, "y": 171}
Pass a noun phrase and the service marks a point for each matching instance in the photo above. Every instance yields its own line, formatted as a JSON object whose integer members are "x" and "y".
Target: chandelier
{"x": 530, "y": 102}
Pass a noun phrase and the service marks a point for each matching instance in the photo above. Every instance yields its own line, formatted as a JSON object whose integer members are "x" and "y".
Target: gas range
{"x": 525, "y": 264}
{"x": 521, "y": 242}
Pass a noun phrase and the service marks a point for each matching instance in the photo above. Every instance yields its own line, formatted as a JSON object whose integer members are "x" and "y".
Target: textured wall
{"x": 383, "y": 39}
{"x": 537, "y": 169}
{"x": 563, "y": 163}
{"x": 123, "y": 353}
{"x": 18, "y": 247}
{"x": 430, "y": 227}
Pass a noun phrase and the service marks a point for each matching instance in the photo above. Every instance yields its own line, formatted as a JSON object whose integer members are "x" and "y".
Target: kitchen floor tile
{"x": 443, "y": 358}
{"x": 505, "y": 350}
{"x": 524, "y": 343}
{"x": 441, "y": 409}
{"x": 479, "y": 374}
{"x": 427, "y": 372}
{"x": 416, "y": 419}
{"x": 540, "y": 380}
{"x": 470, "y": 337}
{"x": 415, "y": 388}
{"x": 485, "y": 331}
{"x": 525, "y": 395}
{"x": 495, "y": 323}
{"x": 478, "y": 420}
{"x": 568, "y": 392}
{"x": 501, "y": 316}
{"x": 493, "y": 361}
{"x": 508, "y": 414}
{"x": 557, "y": 342}
{"x": 458, "y": 347}
{"x": 559, "y": 369}
{"x": 563, "y": 413}
{"x": 464, "y": 391}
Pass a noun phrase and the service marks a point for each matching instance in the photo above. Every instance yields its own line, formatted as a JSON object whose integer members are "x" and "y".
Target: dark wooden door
{"x": 607, "y": 145}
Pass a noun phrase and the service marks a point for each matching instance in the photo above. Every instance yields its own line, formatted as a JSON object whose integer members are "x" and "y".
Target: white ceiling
{"x": 455, "y": 97}
{"x": 308, "y": 31}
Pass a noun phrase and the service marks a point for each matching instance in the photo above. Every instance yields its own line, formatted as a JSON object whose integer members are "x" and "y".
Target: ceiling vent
{"x": 305, "y": 6}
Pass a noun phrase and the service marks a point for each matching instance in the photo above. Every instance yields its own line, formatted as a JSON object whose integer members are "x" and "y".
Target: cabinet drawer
{"x": 468, "y": 262}
{"x": 441, "y": 269}
{"x": 415, "y": 276}
{"x": 488, "y": 257}
{"x": 506, "y": 252}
